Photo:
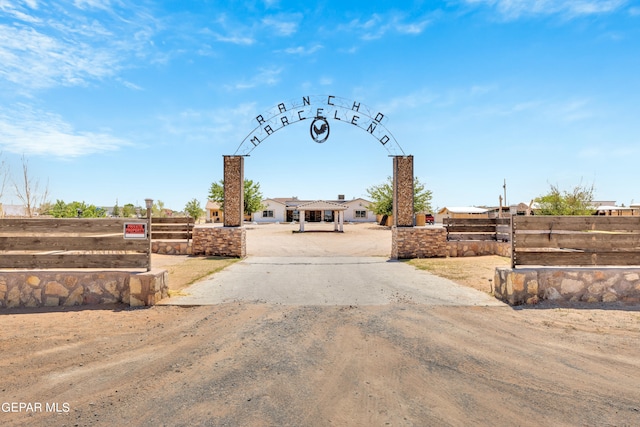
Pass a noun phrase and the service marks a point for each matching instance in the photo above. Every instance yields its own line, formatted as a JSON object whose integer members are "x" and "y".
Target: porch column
{"x": 403, "y": 191}
{"x": 341, "y": 216}
{"x": 301, "y": 213}
{"x": 233, "y": 191}
{"x": 335, "y": 220}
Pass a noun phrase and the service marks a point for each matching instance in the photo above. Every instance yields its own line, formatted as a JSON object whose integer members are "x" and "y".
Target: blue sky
{"x": 111, "y": 101}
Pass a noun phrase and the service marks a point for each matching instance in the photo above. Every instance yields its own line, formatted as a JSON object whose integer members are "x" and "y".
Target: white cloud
{"x": 25, "y": 130}
{"x": 378, "y": 25}
{"x": 49, "y": 45}
{"x": 265, "y": 76}
{"x": 205, "y": 126}
{"x": 31, "y": 59}
{"x": 303, "y": 51}
{"x": 514, "y": 9}
{"x": 284, "y": 25}
{"x": 235, "y": 39}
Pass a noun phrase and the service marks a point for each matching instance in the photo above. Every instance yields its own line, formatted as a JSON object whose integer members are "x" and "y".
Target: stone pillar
{"x": 341, "y": 215}
{"x": 233, "y": 191}
{"x": 403, "y": 191}
{"x": 301, "y": 214}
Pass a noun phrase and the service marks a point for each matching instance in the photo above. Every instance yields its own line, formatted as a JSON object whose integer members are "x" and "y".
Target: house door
{"x": 313, "y": 216}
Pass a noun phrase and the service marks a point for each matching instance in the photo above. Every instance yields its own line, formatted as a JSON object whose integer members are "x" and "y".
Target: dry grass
{"x": 189, "y": 271}
{"x": 475, "y": 272}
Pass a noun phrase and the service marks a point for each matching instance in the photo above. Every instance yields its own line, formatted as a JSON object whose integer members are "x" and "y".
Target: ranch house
{"x": 288, "y": 210}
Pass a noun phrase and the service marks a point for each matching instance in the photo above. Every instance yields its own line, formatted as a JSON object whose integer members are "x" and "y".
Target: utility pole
{"x": 504, "y": 186}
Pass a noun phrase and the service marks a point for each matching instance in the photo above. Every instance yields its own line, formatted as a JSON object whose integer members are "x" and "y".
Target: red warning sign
{"x": 135, "y": 230}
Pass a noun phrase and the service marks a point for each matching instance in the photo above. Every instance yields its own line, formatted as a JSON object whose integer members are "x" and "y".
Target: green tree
{"x": 252, "y": 195}
{"x": 578, "y": 201}
{"x": 129, "y": 210}
{"x": 158, "y": 209}
{"x": 76, "y": 209}
{"x": 382, "y": 197}
{"x": 59, "y": 209}
{"x": 193, "y": 209}
{"x": 116, "y": 210}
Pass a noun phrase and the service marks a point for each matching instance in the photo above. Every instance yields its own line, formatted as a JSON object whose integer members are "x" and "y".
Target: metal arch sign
{"x": 319, "y": 110}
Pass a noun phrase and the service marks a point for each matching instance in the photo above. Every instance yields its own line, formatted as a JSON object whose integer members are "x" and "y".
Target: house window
{"x": 267, "y": 214}
{"x": 361, "y": 214}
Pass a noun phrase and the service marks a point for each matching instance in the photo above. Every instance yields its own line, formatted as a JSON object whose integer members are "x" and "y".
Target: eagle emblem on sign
{"x": 319, "y": 130}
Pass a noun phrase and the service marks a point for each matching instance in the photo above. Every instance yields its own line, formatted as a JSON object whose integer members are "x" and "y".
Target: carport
{"x": 322, "y": 205}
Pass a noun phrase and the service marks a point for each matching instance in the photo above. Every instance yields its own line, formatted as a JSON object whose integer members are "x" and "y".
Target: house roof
{"x": 613, "y": 208}
{"x": 359, "y": 200}
{"x": 278, "y": 200}
{"x": 212, "y": 205}
{"x": 519, "y": 206}
{"x": 319, "y": 205}
{"x": 13, "y": 210}
{"x": 463, "y": 209}
{"x": 293, "y": 203}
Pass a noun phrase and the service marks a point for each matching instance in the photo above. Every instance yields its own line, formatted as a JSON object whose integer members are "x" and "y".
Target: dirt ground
{"x": 400, "y": 364}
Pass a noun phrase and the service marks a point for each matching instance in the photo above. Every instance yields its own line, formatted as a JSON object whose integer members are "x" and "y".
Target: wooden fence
{"x": 478, "y": 229}
{"x": 575, "y": 241}
{"x": 177, "y": 228}
{"x": 71, "y": 243}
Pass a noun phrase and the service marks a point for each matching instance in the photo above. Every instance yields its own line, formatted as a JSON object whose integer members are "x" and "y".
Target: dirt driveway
{"x": 259, "y": 364}
{"x": 319, "y": 240}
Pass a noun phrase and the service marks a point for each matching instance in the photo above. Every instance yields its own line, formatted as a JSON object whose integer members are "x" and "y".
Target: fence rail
{"x": 477, "y": 228}
{"x": 575, "y": 241}
{"x": 176, "y": 228}
{"x": 71, "y": 243}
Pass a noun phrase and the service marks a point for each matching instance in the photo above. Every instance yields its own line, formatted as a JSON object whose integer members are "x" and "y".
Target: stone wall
{"x": 146, "y": 289}
{"x": 462, "y": 248}
{"x": 44, "y": 288}
{"x": 578, "y": 284}
{"x": 403, "y": 191}
{"x": 233, "y": 191}
{"x": 430, "y": 242}
{"x": 214, "y": 240}
{"x": 417, "y": 242}
{"x": 169, "y": 247}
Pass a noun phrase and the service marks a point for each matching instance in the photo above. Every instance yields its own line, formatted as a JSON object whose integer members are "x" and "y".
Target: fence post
{"x": 512, "y": 231}
{"x": 149, "y": 204}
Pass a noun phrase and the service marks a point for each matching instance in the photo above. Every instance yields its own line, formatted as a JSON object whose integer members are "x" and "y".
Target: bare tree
{"x": 28, "y": 191}
{"x": 4, "y": 174}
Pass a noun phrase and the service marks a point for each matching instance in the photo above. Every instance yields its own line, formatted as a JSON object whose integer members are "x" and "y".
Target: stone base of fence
{"x": 418, "y": 242}
{"x": 214, "y": 240}
{"x": 430, "y": 242}
{"x": 146, "y": 289}
{"x": 71, "y": 288}
{"x": 169, "y": 247}
{"x": 578, "y": 284}
{"x": 463, "y": 248}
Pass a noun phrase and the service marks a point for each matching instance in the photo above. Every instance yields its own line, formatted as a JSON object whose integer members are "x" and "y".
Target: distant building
{"x": 213, "y": 212}
{"x": 8, "y": 211}
{"x": 462, "y": 212}
{"x": 286, "y": 210}
{"x": 505, "y": 211}
{"x": 610, "y": 209}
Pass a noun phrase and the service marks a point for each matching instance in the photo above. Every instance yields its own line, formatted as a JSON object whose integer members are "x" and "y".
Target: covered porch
{"x": 320, "y": 209}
